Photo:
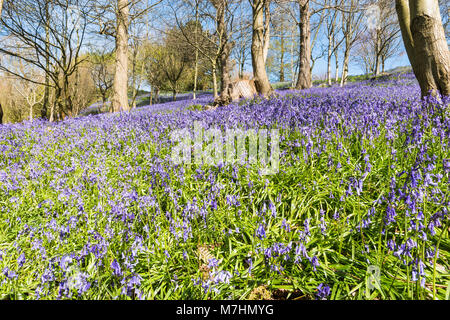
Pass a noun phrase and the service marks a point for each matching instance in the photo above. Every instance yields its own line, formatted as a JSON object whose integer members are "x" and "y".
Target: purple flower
{"x": 314, "y": 262}
{"x": 260, "y": 232}
{"x": 213, "y": 263}
{"x": 10, "y": 274}
{"x": 323, "y": 291}
{"x": 117, "y": 271}
{"x": 21, "y": 260}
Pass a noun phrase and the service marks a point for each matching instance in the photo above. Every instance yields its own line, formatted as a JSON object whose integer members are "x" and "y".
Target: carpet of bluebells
{"x": 94, "y": 207}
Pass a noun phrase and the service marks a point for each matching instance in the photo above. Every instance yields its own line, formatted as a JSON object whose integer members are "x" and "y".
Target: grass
{"x": 94, "y": 194}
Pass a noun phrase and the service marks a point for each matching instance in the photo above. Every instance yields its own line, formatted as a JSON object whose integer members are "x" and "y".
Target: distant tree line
{"x": 57, "y": 57}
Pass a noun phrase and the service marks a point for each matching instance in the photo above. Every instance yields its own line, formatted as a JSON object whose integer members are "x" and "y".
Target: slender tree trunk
{"x": 1, "y": 110}
{"x": 377, "y": 53}
{"x": 348, "y": 35}
{"x": 292, "y": 57}
{"x": 345, "y": 66}
{"x": 336, "y": 61}
{"x": 194, "y": 95}
{"x": 304, "y": 80}
{"x": 426, "y": 44}
{"x": 330, "y": 52}
{"x": 157, "y": 95}
{"x": 196, "y": 50}
{"x": 262, "y": 83}
{"x": 174, "y": 95}
{"x": 282, "y": 49}
{"x": 120, "y": 88}
{"x": 266, "y": 29}
{"x": 47, "y": 62}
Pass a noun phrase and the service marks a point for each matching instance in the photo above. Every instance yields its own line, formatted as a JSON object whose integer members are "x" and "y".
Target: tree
{"x": 282, "y": 44}
{"x": 51, "y": 43}
{"x": 426, "y": 44}
{"x": 242, "y": 39}
{"x": 102, "y": 72}
{"x": 174, "y": 59}
{"x": 210, "y": 36}
{"x": 31, "y": 92}
{"x": 114, "y": 19}
{"x": 260, "y": 45}
{"x": 351, "y": 29}
{"x": 120, "y": 86}
{"x": 153, "y": 71}
{"x": 332, "y": 30}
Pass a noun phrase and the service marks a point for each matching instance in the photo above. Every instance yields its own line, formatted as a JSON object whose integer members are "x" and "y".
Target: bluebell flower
{"x": 323, "y": 291}
{"x": 21, "y": 260}
{"x": 260, "y": 232}
{"x": 117, "y": 271}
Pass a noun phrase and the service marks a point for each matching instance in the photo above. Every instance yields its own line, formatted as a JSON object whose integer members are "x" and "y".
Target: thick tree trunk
{"x": 262, "y": 83}
{"x": 225, "y": 78}
{"x": 425, "y": 43}
{"x": 120, "y": 88}
{"x": 304, "y": 80}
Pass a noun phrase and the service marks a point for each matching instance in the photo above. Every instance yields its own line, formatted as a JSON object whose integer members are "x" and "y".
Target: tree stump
{"x": 236, "y": 90}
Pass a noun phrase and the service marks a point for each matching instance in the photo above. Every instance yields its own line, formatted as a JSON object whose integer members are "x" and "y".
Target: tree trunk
{"x": 120, "y": 89}
{"x": 377, "y": 52}
{"x": 1, "y": 6}
{"x": 157, "y": 95}
{"x": 345, "y": 67}
{"x": 262, "y": 83}
{"x": 336, "y": 61}
{"x": 225, "y": 63}
{"x": 194, "y": 96}
{"x": 47, "y": 63}
{"x": 282, "y": 49}
{"x": 214, "y": 76}
{"x": 426, "y": 44}
{"x": 304, "y": 80}
{"x": 330, "y": 52}
{"x": 1, "y": 109}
